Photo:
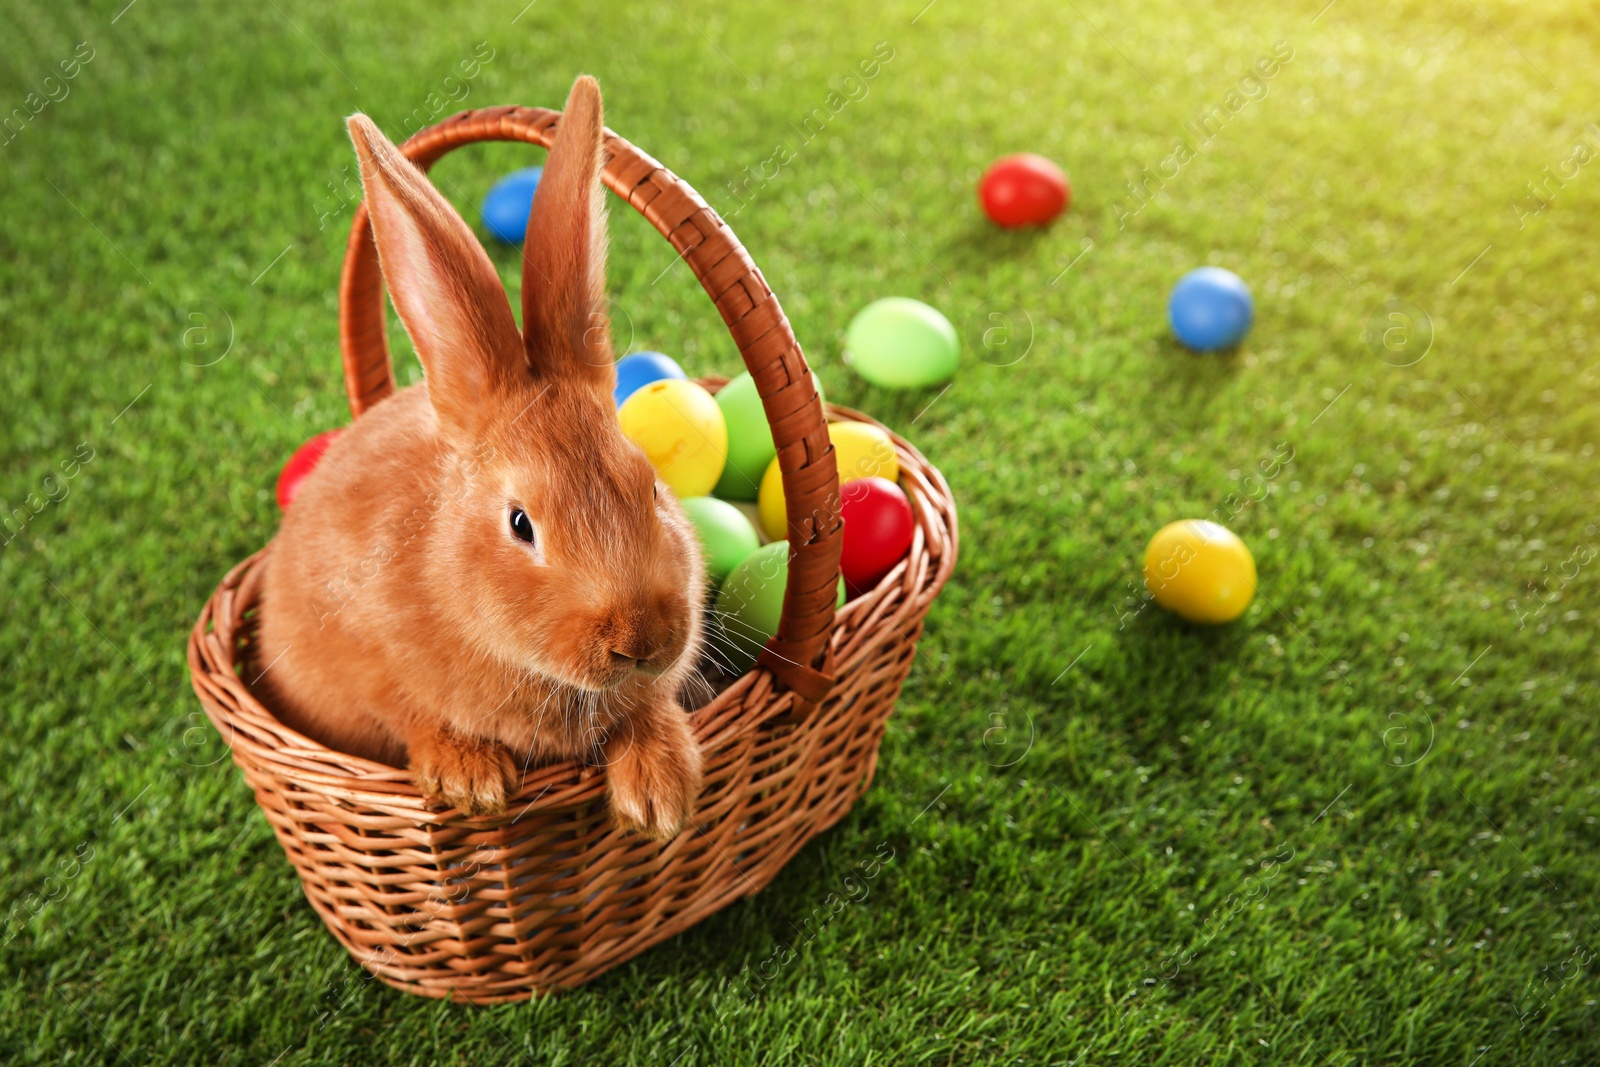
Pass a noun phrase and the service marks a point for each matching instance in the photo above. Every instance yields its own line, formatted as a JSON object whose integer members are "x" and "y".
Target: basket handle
{"x": 800, "y": 656}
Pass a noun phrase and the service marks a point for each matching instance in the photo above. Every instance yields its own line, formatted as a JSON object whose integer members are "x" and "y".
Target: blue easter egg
{"x": 1210, "y": 308}
{"x": 640, "y": 369}
{"x": 506, "y": 208}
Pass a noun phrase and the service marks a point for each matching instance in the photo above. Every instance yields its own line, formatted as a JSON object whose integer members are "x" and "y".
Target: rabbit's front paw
{"x": 653, "y": 785}
{"x": 468, "y": 773}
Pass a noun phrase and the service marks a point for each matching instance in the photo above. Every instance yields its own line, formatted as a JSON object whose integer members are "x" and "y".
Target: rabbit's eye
{"x": 521, "y": 525}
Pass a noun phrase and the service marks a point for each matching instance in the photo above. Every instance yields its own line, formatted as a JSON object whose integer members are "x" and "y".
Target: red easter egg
{"x": 877, "y": 530}
{"x": 301, "y": 464}
{"x": 1024, "y": 190}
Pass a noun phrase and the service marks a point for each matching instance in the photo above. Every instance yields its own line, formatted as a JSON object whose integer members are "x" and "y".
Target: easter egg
{"x": 680, "y": 429}
{"x": 1024, "y": 190}
{"x": 750, "y": 604}
{"x": 861, "y": 450}
{"x": 752, "y": 511}
{"x": 302, "y": 463}
{"x": 506, "y": 208}
{"x": 726, "y": 536}
{"x": 1210, "y": 308}
{"x": 900, "y": 343}
{"x": 640, "y": 369}
{"x": 750, "y": 444}
{"x": 878, "y": 526}
{"x": 1200, "y": 571}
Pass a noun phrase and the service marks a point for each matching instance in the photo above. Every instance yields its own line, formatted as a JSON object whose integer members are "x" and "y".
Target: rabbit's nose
{"x": 637, "y": 651}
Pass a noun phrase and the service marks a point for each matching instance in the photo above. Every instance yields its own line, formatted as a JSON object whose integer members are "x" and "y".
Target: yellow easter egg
{"x": 681, "y": 430}
{"x": 1200, "y": 571}
{"x": 770, "y": 504}
{"x": 861, "y": 450}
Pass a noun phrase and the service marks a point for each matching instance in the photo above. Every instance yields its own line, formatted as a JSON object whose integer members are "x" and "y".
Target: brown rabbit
{"x": 482, "y": 572}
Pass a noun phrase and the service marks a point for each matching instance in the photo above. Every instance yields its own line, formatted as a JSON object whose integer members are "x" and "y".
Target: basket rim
{"x": 261, "y": 743}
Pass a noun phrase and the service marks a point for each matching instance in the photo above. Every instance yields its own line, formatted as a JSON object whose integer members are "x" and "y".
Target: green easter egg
{"x": 750, "y": 444}
{"x": 900, "y": 343}
{"x": 749, "y": 605}
{"x": 725, "y": 534}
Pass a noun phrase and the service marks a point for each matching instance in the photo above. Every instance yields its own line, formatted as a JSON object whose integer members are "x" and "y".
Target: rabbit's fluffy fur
{"x": 403, "y": 618}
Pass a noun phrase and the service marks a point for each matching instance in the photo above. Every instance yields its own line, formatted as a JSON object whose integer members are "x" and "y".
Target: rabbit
{"x": 482, "y": 572}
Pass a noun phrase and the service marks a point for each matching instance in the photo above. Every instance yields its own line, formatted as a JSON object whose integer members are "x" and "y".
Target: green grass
{"x": 1207, "y": 853}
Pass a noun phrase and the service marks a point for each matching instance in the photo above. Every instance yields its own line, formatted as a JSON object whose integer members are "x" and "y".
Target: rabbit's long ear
{"x": 443, "y": 285}
{"x": 564, "y": 323}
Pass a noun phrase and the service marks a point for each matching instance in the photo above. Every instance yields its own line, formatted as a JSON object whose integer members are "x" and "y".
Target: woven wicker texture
{"x": 549, "y": 895}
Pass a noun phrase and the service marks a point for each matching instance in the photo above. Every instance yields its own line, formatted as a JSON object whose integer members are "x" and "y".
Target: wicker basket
{"x": 548, "y": 895}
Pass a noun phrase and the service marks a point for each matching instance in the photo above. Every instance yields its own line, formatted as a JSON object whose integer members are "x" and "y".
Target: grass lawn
{"x": 1357, "y": 827}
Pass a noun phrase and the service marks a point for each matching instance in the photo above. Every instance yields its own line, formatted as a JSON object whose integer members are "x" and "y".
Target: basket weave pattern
{"x": 549, "y": 895}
